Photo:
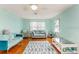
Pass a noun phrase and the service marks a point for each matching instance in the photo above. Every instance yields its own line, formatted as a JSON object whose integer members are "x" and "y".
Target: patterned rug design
{"x": 39, "y": 47}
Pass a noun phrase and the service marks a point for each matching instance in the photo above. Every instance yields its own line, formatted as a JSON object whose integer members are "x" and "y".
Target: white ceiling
{"x": 44, "y": 11}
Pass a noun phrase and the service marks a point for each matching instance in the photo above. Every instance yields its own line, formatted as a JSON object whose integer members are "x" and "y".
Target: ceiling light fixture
{"x": 34, "y": 7}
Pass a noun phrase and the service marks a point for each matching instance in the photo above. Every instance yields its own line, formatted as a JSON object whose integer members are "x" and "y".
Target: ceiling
{"x": 44, "y": 11}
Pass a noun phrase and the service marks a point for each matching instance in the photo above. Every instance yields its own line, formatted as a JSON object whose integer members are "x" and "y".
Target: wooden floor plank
{"x": 3, "y": 52}
{"x": 19, "y": 48}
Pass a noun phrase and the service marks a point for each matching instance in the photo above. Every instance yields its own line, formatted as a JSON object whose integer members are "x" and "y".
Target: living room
{"x": 53, "y": 25}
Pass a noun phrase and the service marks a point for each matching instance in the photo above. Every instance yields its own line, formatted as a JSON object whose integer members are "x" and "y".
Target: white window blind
{"x": 37, "y": 25}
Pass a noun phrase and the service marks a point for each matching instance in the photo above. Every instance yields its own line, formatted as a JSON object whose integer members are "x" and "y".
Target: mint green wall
{"x": 10, "y": 21}
{"x": 26, "y": 25}
{"x": 49, "y": 24}
{"x": 15, "y": 24}
{"x": 69, "y": 24}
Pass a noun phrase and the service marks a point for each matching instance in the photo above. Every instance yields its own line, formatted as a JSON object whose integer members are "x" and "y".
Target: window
{"x": 57, "y": 30}
{"x": 37, "y": 26}
{"x": 57, "y": 25}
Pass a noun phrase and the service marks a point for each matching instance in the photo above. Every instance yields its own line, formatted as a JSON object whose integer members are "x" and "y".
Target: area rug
{"x": 39, "y": 47}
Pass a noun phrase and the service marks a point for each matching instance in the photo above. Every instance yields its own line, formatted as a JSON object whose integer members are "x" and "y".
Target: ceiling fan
{"x": 34, "y": 7}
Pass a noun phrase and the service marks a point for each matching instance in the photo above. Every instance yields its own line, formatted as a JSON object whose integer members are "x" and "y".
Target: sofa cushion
{"x": 12, "y": 43}
{"x": 39, "y": 31}
{"x": 4, "y": 37}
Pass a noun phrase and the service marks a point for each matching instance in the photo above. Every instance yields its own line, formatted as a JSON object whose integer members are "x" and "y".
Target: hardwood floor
{"x": 19, "y": 48}
{"x": 39, "y": 39}
{"x": 50, "y": 40}
{"x": 3, "y": 52}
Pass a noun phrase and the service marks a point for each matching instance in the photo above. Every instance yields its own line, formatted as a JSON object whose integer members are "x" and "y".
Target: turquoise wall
{"x": 26, "y": 25}
{"x": 49, "y": 24}
{"x": 15, "y": 24}
{"x": 10, "y": 21}
{"x": 69, "y": 24}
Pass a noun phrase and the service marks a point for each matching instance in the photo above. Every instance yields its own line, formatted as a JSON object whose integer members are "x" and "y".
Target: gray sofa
{"x": 38, "y": 34}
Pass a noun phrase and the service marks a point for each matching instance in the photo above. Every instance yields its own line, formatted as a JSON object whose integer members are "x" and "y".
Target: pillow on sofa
{"x": 42, "y": 32}
{"x": 18, "y": 35}
{"x": 39, "y": 31}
